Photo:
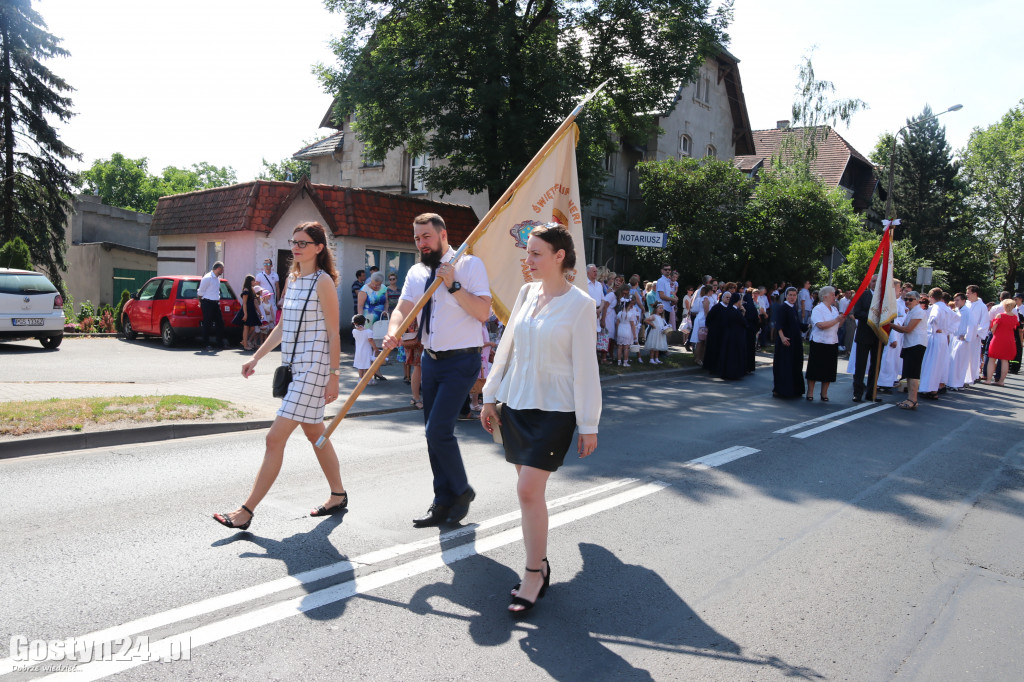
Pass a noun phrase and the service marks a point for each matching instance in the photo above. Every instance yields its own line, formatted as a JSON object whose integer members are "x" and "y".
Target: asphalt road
{"x": 884, "y": 547}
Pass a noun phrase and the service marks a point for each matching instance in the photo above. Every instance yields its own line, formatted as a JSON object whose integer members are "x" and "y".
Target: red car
{"x": 169, "y": 307}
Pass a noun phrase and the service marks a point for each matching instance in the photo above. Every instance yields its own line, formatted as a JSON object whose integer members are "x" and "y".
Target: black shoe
{"x": 330, "y": 511}
{"x": 435, "y": 516}
{"x": 878, "y": 400}
{"x": 858, "y": 399}
{"x": 460, "y": 507}
{"x": 525, "y": 603}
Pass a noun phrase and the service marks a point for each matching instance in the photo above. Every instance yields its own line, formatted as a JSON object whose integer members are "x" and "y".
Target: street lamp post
{"x": 892, "y": 155}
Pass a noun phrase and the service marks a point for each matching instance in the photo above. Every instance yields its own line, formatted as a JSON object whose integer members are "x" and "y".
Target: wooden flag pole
{"x": 473, "y": 237}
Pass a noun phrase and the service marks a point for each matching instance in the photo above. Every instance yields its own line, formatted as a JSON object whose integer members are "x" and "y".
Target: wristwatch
{"x": 336, "y": 371}
{"x": 454, "y": 287}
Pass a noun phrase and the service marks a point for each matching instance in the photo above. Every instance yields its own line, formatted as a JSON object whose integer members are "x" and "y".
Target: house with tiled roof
{"x": 242, "y": 225}
{"x": 836, "y": 162}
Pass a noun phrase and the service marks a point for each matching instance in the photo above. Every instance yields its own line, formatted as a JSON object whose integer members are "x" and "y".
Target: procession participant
{"x": 751, "y": 314}
{"x": 788, "y": 362}
{"x": 935, "y": 365}
{"x": 715, "y": 322}
{"x": 866, "y": 350}
{"x": 269, "y": 280}
{"x": 209, "y": 303}
{"x": 664, "y": 290}
{"x": 977, "y": 330}
{"x": 915, "y": 337}
{"x": 732, "y": 361}
{"x": 704, "y": 302}
{"x": 1018, "y": 301}
{"x": 1002, "y": 348}
{"x": 546, "y": 377}
{"x": 823, "y": 356}
{"x": 449, "y": 327}
{"x": 959, "y": 347}
{"x": 805, "y": 305}
{"x": 891, "y": 364}
{"x": 309, "y": 336}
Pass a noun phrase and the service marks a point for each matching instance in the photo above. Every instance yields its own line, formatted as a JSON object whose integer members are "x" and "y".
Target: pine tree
{"x": 35, "y": 185}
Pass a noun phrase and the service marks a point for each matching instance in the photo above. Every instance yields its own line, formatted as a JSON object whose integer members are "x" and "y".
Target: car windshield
{"x": 21, "y": 283}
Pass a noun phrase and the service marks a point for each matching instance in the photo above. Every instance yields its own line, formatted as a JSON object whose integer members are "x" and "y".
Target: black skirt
{"x": 822, "y": 360}
{"x": 912, "y": 358}
{"x": 536, "y": 438}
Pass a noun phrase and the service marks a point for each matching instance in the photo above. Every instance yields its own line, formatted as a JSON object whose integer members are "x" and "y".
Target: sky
{"x": 230, "y": 82}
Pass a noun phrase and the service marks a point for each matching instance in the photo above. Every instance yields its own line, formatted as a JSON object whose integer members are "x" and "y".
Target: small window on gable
{"x": 706, "y": 91}
{"x": 418, "y": 164}
{"x": 685, "y": 146}
{"x": 712, "y": 152}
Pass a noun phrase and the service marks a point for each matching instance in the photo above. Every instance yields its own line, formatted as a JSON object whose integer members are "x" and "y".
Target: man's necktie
{"x": 425, "y": 317}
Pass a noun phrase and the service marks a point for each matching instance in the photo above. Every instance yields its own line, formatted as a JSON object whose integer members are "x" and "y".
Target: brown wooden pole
{"x": 473, "y": 237}
{"x": 878, "y": 364}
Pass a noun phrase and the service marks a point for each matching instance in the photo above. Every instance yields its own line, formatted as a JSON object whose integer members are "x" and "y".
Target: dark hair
{"x": 432, "y": 218}
{"x": 324, "y": 259}
{"x": 560, "y": 239}
{"x": 974, "y": 289}
{"x": 360, "y": 272}
{"x": 247, "y": 282}
{"x": 358, "y": 320}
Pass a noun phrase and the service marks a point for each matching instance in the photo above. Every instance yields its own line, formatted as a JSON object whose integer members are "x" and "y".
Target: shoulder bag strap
{"x": 302, "y": 315}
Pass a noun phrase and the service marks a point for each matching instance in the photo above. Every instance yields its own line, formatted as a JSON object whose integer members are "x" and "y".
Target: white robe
{"x": 977, "y": 330}
{"x": 959, "y": 350}
{"x": 935, "y": 366}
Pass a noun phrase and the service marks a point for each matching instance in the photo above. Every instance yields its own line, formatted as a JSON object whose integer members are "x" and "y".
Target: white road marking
{"x": 717, "y": 459}
{"x": 840, "y": 422}
{"x": 271, "y": 614}
{"x": 830, "y": 415}
{"x": 248, "y": 594}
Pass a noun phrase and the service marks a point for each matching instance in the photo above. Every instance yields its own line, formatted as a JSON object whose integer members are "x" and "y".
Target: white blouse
{"x": 823, "y": 313}
{"x": 548, "y": 362}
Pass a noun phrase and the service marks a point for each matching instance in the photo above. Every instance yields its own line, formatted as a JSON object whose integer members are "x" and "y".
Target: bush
{"x": 15, "y": 254}
{"x": 85, "y": 325}
{"x": 106, "y": 321}
{"x": 120, "y": 307}
{"x": 69, "y": 304}
{"x": 86, "y": 311}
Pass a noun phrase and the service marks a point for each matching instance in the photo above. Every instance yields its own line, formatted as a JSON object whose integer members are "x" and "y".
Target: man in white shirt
{"x": 664, "y": 290}
{"x": 843, "y": 303}
{"x": 594, "y": 287}
{"x": 804, "y": 304}
{"x": 449, "y": 327}
{"x": 269, "y": 280}
{"x": 209, "y": 303}
{"x": 977, "y": 330}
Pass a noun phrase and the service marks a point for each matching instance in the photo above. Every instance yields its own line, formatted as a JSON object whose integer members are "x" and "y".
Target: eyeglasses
{"x": 909, "y": 299}
{"x": 301, "y": 243}
{"x": 268, "y": 263}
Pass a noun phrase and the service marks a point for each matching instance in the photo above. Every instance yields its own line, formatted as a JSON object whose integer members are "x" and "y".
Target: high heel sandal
{"x": 525, "y": 603}
{"x": 225, "y": 520}
{"x": 544, "y": 587}
{"x": 329, "y": 511}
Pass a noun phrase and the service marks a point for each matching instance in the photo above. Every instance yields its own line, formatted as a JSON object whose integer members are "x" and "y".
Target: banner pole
{"x": 473, "y": 237}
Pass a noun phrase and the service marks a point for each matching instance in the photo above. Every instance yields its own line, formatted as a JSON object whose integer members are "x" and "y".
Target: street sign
{"x": 924, "y": 276}
{"x": 658, "y": 240}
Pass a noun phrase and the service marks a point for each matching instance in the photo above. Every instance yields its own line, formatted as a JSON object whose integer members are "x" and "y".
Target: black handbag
{"x": 283, "y": 374}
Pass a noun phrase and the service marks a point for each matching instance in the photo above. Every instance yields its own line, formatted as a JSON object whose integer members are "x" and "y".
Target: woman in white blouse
{"x": 546, "y": 377}
{"x": 823, "y": 357}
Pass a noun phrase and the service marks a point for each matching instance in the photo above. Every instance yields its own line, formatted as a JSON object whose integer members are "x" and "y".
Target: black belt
{"x": 442, "y": 354}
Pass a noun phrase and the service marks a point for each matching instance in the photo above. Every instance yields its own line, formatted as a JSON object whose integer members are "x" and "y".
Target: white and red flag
{"x": 883, "y": 304}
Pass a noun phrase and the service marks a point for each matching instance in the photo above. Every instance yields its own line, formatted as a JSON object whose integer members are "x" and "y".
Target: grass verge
{"x": 673, "y": 359}
{"x": 18, "y": 418}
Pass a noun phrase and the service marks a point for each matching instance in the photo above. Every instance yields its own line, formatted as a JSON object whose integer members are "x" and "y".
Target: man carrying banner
{"x": 449, "y": 325}
{"x": 867, "y": 346}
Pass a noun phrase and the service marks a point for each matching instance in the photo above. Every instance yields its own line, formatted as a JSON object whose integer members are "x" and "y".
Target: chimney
{"x": 781, "y": 125}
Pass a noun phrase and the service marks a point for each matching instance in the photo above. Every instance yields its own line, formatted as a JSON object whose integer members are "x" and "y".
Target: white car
{"x": 30, "y": 308}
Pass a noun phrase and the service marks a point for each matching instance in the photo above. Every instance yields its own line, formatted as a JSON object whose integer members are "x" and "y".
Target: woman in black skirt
{"x": 788, "y": 362}
{"x": 545, "y": 377}
{"x": 823, "y": 356}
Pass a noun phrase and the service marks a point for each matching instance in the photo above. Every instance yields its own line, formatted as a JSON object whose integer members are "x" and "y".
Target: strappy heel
{"x": 329, "y": 511}
{"x": 225, "y": 520}
{"x": 525, "y": 603}
{"x": 907, "y": 405}
{"x": 544, "y": 587}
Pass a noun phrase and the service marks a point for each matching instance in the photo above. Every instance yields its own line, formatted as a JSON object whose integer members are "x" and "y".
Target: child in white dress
{"x": 625, "y": 330}
{"x": 365, "y": 347}
{"x": 657, "y": 340}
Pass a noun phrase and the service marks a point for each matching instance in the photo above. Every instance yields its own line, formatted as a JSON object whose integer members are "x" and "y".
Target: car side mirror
{"x": 135, "y": 296}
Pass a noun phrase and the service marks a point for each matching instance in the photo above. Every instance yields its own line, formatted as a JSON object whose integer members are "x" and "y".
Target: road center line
{"x": 717, "y": 459}
{"x": 830, "y": 415}
{"x": 840, "y": 422}
{"x": 219, "y": 630}
{"x": 254, "y": 592}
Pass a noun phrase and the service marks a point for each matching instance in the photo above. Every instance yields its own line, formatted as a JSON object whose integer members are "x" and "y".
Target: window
{"x": 685, "y": 146}
{"x": 372, "y": 260}
{"x": 367, "y": 163}
{"x": 418, "y": 164}
{"x": 712, "y": 152}
{"x": 214, "y": 253}
{"x": 609, "y": 163}
{"x": 707, "y": 89}
{"x": 595, "y": 237}
{"x": 148, "y": 292}
{"x": 165, "y": 290}
{"x": 399, "y": 262}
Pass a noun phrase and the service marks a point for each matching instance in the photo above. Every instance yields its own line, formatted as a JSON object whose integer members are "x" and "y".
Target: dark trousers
{"x": 212, "y": 318}
{"x": 445, "y": 383}
{"x": 866, "y": 352}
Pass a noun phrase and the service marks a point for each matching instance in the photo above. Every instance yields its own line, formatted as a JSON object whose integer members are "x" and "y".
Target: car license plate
{"x": 28, "y": 321}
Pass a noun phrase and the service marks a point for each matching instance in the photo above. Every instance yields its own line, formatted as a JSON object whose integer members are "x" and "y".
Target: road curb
{"x": 147, "y": 434}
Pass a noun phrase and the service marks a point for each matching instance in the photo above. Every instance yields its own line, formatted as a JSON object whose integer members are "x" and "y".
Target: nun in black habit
{"x": 753, "y": 318}
{"x": 788, "y": 364}
{"x": 733, "y": 362}
{"x": 715, "y": 322}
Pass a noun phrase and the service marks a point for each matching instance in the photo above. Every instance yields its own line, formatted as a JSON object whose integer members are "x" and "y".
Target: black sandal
{"x": 543, "y": 588}
{"x": 907, "y": 405}
{"x": 525, "y": 603}
{"x": 225, "y": 520}
{"x": 330, "y": 511}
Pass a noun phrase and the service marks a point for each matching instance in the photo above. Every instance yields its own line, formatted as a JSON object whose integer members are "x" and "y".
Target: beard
{"x": 432, "y": 259}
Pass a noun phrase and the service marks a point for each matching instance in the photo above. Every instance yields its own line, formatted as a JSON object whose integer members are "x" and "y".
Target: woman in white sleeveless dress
{"x": 309, "y": 338}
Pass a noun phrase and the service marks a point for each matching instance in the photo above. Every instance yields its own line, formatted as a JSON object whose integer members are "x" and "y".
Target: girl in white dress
{"x": 657, "y": 340}
{"x": 365, "y": 348}
{"x": 625, "y": 329}
{"x": 310, "y": 339}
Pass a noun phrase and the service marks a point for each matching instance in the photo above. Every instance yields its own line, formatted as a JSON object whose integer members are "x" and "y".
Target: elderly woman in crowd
{"x": 788, "y": 363}
{"x": 915, "y": 340}
{"x": 823, "y": 356}
{"x": 704, "y": 301}
{"x": 372, "y": 301}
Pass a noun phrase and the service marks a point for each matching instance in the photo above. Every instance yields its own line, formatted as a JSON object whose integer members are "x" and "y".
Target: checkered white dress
{"x": 304, "y": 401}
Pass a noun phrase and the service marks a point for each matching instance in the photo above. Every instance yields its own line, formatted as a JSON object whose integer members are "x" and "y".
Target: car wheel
{"x": 51, "y": 342}
{"x": 167, "y": 334}
{"x": 129, "y": 331}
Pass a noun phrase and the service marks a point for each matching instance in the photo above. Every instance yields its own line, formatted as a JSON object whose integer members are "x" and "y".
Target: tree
{"x": 993, "y": 163}
{"x": 482, "y": 85}
{"x": 905, "y": 262}
{"x": 15, "y": 254}
{"x": 34, "y": 182}
{"x": 290, "y": 170}
{"x": 127, "y": 183}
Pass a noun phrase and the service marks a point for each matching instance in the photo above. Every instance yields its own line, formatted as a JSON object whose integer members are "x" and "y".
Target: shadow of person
{"x": 300, "y": 553}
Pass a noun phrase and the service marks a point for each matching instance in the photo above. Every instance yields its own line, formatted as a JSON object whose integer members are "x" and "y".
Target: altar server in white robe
{"x": 935, "y": 365}
{"x": 959, "y": 346}
{"x": 891, "y": 365}
{"x": 977, "y": 330}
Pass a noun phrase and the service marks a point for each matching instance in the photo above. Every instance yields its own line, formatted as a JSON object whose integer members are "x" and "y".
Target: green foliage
{"x": 285, "y": 170}
{"x": 993, "y": 165}
{"x": 118, "y": 322}
{"x": 127, "y": 183}
{"x": 484, "y": 84}
{"x": 905, "y": 262}
{"x": 15, "y": 254}
{"x": 69, "y": 303}
{"x": 86, "y": 310}
{"x": 34, "y": 182}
